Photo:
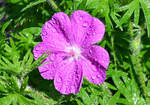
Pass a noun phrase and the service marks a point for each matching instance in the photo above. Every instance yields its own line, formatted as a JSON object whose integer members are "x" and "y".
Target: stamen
{"x": 73, "y": 51}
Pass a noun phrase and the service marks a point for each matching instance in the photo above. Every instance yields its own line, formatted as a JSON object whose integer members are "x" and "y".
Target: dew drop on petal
{"x": 71, "y": 76}
{"x": 44, "y": 33}
{"x": 98, "y": 76}
{"x": 59, "y": 79}
{"x": 103, "y": 54}
{"x": 90, "y": 51}
{"x": 48, "y": 26}
{"x": 107, "y": 59}
{"x": 72, "y": 88}
{"x": 94, "y": 70}
{"x": 81, "y": 18}
{"x": 67, "y": 90}
{"x": 35, "y": 55}
{"x": 85, "y": 24}
{"x": 66, "y": 83}
{"x": 93, "y": 77}
{"x": 53, "y": 21}
{"x": 103, "y": 62}
{"x": 38, "y": 48}
{"x": 51, "y": 73}
{"x": 53, "y": 30}
{"x": 62, "y": 17}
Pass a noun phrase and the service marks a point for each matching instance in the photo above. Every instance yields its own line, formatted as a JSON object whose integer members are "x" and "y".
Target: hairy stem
{"x": 136, "y": 59}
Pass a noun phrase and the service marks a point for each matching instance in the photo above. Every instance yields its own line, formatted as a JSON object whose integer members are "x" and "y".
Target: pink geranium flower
{"x": 73, "y": 54}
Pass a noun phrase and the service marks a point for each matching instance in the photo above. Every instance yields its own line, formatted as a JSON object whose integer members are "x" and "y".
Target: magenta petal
{"x": 98, "y": 54}
{"x": 48, "y": 69}
{"x": 95, "y": 33}
{"x": 93, "y": 71}
{"x": 69, "y": 77}
{"x": 80, "y": 21}
{"x": 54, "y": 32}
{"x": 39, "y": 49}
{"x": 95, "y": 62}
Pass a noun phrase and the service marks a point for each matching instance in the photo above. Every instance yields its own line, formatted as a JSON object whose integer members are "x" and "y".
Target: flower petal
{"x": 98, "y": 54}
{"x": 48, "y": 69}
{"x": 87, "y": 30}
{"x": 95, "y": 61}
{"x": 39, "y": 49}
{"x": 80, "y": 21}
{"x": 93, "y": 71}
{"x": 69, "y": 77}
{"x": 95, "y": 33}
{"x": 55, "y": 30}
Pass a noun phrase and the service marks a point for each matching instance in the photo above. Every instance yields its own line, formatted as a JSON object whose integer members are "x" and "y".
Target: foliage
{"x": 127, "y": 40}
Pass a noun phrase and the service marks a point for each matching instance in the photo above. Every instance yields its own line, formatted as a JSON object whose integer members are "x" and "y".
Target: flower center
{"x": 73, "y": 51}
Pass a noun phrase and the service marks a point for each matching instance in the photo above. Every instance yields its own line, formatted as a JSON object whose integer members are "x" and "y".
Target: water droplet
{"x": 94, "y": 33}
{"x": 94, "y": 19}
{"x": 46, "y": 74}
{"x": 53, "y": 21}
{"x": 103, "y": 62}
{"x": 35, "y": 55}
{"x": 44, "y": 33}
{"x": 62, "y": 17}
{"x": 59, "y": 79}
{"x": 71, "y": 76}
{"x": 53, "y": 30}
{"x": 103, "y": 54}
{"x": 93, "y": 77}
{"x": 48, "y": 26}
{"x": 98, "y": 76}
{"x": 72, "y": 88}
{"x": 38, "y": 48}
{"x": 76, "y": 78}
{"x": 85, "y": 24}
{"x": 81, "y": 18}
{"x": 94, "y": 70}
{"x": 51, "y": 73}
{"x": 78, "y": 75}
{"x": 90, "y": 51}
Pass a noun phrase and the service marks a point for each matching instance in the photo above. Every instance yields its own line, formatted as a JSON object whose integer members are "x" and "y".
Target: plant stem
{"x": 136, "y": 59}
{"x": 113, "y": 49}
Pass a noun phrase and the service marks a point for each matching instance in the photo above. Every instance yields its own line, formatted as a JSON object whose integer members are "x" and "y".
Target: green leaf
{"x": 146, "y": 11}
{"x": 32, "y": 4}
{"x": 114, "y": 99}
{"x": 79, "y": 102}
{"x": 137, "y": 14}
{"x": 40, "y": 98}
{"x": 7, "y": 100}
{"x": 123, "y": 101}
{"x": 82, "y": 5}
{"x": 85, "y": 97}
{"x": 128, "y": 14}
{"x": 5, "y": 26}
{"x": 115, "y": 19}
{"x": 110, "y": 86}
{"x": 32, "y": 30}
{"x": 24, "y": 84}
